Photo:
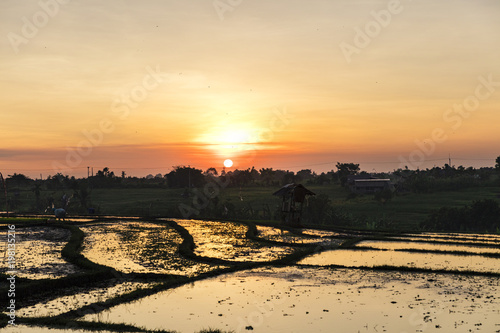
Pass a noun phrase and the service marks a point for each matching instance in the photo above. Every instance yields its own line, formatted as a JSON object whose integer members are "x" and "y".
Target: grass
{"x": 21, "y": 221}
{"x": 405, "y": 210}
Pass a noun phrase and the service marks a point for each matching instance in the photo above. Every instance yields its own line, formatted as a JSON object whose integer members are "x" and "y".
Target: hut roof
{"x": 290, "y": 188}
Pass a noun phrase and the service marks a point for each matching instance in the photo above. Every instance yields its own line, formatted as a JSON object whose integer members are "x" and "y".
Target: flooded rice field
{"x": 395, "y": 245}
{"x": 228, "y": 241}
{"x": 449, "y": 253}
{"x": 138, "y": 247}
{"x": 40, "y": 249}
{"x": 374, "y": 258}
{"x": 285, "y": 236}
{"x": 452, "y": 238}
{"x": 295, "y": 299}
{"x": 153, "y": 276}
{"x": 80, "y": 297}
{"x": 38, "y": 329}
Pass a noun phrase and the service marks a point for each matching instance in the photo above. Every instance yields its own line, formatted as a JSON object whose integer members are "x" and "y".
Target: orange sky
{"x": 143, "y": 86}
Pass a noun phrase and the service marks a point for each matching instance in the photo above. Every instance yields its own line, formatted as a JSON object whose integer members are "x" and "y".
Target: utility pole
{"x": 5, "y": 193}
{"x": 88, "y": 172}
{"x": 189, "y": 176}
{"x": 449, "y": 160}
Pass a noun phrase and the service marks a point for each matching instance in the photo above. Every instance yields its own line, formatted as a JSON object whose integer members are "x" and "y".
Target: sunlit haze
{"x": 143, "y": 86}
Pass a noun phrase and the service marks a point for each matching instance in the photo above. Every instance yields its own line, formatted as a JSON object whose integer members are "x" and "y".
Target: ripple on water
{"x": 316, "y": 299}
{"x": 38, "y": 253}
{"x": 228, "y": 241}
{"x": 138, "y": 247}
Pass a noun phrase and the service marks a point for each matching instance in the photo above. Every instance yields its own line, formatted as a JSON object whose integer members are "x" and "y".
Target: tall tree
{"x": 346, "y": 169}
{"x": 183, "y": 176}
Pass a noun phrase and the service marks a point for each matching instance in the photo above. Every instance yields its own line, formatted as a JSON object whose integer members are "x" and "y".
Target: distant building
{"x": 352, "y": 178}
{"x": 372, "y": 185}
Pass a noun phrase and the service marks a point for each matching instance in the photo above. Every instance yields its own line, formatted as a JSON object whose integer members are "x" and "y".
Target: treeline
{"x": 418, "y": 181}
{"x": 21, "y": 188}
{"x": 480, "y": 216}
{"x": 445, "y": 178}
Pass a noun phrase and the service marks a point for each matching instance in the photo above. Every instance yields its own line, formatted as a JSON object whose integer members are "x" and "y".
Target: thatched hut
{"x": 293, "y": 196}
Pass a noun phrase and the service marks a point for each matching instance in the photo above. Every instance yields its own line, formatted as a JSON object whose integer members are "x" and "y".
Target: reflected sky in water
{"x": 319, "y": 300}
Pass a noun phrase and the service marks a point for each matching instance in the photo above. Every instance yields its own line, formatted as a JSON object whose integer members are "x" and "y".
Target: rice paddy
{"x": 193, "y": 275}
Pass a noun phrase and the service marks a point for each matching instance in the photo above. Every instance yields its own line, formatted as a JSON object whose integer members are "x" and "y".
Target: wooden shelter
{"x": 293, "y": 196}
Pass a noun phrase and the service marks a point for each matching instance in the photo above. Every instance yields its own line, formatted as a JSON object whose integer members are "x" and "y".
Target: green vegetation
{"x": 331, "y": 206}
{"x": 22, "y": 221}
{"x": 246, "y": 195}
{"x": 482, "y": 215}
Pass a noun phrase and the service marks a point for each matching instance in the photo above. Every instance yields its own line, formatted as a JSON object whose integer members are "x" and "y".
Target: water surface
{"x": 319, "y": 299}
{"x": 374, "y": 258}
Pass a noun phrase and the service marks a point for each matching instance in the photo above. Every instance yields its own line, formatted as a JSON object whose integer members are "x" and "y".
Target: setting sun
{"x": 228, "y": 163}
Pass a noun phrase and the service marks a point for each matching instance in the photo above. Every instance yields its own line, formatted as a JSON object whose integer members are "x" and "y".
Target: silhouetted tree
{"x": 18, "y": 179}
{"x": 83, "y": 196}
{"x": 37, "y": 190}
{"x": 304, "y": 175}
{"x": 288, "y": 177}
{"x": 211, "y": 172}
{"x": 241, "y": 177}
{"x": 254, "y": 174}
{"x": 267, "y": 175}
{"x": 346, "y": 169}
{"x": 481, "y": 216}
{"x": 185, "y": 177}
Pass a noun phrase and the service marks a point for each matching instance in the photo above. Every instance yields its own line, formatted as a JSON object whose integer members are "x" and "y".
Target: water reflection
{"x": 37, "y": 329}
{"x": 462, "y": 238}
{"x": 319, "y": 300}
{"x": 228, "y": 241}
{"x": 285, "y": 236}
{"x": 373, "y": 258}
{"x": 38, "y": 253}
{"x": 138, "y": 247}
{"x": 394, "y": 245}
{"x": 80, "y": 297}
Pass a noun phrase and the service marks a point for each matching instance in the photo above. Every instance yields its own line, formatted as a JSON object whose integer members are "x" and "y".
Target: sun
{"x": 228, "y": 163}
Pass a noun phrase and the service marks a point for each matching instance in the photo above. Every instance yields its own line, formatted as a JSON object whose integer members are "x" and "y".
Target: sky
{"x": 143, "y": 86}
